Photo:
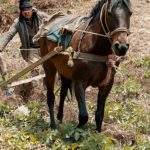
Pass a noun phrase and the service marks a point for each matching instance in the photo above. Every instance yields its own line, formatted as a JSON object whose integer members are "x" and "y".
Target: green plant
{"x": 33, "y": 132}
{"x": 145, "y": 64}
{"x": 4, "y": 109}
{"x": 129, "y": 115}
{"x": 130, "y": 88}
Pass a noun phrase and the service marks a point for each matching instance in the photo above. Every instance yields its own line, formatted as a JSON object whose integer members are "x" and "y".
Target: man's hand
{"x": 3, "y": 68}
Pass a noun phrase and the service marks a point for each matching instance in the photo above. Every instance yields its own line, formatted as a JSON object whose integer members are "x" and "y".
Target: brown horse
{"x": 106, "y": 36}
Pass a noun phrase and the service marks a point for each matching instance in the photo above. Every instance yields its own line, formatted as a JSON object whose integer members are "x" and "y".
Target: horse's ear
{"x": 108, "y": 5}
{"x": 108, "y": 1}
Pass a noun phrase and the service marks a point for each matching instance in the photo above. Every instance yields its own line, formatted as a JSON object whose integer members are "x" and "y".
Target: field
{"x": 127, "y": 115}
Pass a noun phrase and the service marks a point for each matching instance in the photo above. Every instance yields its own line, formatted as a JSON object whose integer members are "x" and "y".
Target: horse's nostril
{"x": 127, "y": 46}
{"x": 120, "y": 49}
{"x": 116, "y": 45}
{"x": 123, "y": 47}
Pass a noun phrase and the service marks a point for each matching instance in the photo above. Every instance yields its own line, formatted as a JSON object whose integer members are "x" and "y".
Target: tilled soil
{"x": 139, "y": 44}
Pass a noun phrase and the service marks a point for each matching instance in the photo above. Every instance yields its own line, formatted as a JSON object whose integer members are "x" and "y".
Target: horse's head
{"x": 117, "y": 22}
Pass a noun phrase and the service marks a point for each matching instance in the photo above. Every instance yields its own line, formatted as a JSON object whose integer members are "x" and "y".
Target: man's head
{"x": 25, "y": 7}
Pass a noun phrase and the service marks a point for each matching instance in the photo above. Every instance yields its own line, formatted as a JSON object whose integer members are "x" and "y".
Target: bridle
{"x": 109, "y": 33}
{"x": 106, "y": 34}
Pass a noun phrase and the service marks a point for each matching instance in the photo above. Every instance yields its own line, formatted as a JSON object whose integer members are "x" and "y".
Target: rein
{"x": 88, "y": 32}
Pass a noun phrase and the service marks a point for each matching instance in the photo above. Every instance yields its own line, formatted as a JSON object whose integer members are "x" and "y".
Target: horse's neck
{"x": 101, "y": 45}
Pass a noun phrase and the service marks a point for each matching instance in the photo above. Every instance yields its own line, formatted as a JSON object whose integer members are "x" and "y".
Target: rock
{"x": 22, "y": 110}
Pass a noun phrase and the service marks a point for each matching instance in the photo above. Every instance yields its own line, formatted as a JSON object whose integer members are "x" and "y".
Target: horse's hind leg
{"x": 65, "y": 85}
{"x": 50, "y": 72}
{"x": 80, "y": 96}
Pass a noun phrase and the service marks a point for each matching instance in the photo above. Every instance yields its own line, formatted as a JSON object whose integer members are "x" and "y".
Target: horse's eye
{"x": 130, "y": 13}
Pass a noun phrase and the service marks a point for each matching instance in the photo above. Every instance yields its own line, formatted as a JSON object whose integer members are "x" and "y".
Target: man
{"x": 26, "y": 25}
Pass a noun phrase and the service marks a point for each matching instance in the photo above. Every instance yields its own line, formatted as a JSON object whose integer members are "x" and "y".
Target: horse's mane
{"x": 114, "y": 4}
{"x": 97, "y": 8}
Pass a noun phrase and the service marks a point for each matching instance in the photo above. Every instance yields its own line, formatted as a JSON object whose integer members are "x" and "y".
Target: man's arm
{"x": 42, "y": 14}
{"x": 8, "y": 36}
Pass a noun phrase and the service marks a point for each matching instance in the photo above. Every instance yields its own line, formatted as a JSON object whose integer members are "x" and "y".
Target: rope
{"x": 111, "y": 63}
{"x": 119, "y": 30}
{"x": 82, "y": 36}
{"x": 101, "y": 16}
{"x": 88, "y": 32}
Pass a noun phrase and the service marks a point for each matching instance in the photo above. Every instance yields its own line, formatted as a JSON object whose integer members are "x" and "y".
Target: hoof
{"x": 60, "y": 121}
{"x": 53, "y": 126}
{"x": 59, "y": 118}
{"x": 82, "y": 120}
{"x": 80, "y": 126}
{"x": 98, "y": 130}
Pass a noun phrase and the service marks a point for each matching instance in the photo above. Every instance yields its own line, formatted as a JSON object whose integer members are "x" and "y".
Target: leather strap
{"x": 90, "y": 57}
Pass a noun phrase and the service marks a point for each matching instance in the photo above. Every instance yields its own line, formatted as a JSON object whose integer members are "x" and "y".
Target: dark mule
{"x": 111, "y": 19}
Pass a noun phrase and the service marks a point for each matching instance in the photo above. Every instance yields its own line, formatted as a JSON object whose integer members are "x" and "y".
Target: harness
{"x": 111, "y": 60}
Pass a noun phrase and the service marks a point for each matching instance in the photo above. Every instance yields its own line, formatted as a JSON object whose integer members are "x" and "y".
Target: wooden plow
{"x": 10, "y": 82}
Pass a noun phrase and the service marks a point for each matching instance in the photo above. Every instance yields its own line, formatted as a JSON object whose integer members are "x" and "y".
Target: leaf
{"x": 74, "y": 146}
{"x": 76, "y": 136}
{"x": 32, "y": 138}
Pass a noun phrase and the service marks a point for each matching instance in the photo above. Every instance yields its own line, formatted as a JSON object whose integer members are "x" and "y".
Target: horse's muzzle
{"x": 120, "y": 49}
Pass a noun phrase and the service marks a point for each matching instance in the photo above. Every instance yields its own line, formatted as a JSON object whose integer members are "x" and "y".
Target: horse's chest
{"x": 91, "y": 72}
{"x": 61, "y": 63}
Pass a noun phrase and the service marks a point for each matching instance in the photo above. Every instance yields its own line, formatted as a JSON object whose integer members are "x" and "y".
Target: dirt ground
{"x": 139, "y": 40}
{"x": 139, "y": 47}
{"x": 140, "y": 28}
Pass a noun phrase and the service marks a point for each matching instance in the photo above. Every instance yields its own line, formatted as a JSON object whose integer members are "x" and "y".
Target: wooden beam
{"x": 26, "y": 80}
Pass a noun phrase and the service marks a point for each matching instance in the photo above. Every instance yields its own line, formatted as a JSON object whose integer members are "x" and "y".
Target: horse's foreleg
{"x": 80, "y": 96}
{"x": 50, "y": 72}
{"x": 99, "y": 114}
{"x": 65, "y": 85}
